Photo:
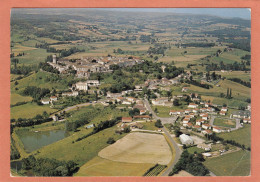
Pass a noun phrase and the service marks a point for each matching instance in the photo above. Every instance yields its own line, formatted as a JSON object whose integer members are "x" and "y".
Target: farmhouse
{"x": 53, "y": 98}
{"x": 160, "y": 101}
{"x": 93, "y": 83}
{"x": 45, "y": 101}
{"x": 185, "y": 139}
{"x": 126, "y": 119}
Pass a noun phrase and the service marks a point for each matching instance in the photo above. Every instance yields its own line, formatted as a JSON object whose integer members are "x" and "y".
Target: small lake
{"x": 34, "y": 140}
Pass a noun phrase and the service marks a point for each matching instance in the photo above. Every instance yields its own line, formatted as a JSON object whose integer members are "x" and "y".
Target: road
{"x": 178, "y": 151}
{"x": 238, "y": 125}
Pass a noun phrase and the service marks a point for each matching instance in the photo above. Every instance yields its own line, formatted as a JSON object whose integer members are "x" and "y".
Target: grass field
{"x": 29, "y": 110}
{"x": 232, "y": 164}
{"x": 192, "y": 150}
{"x": 139, "y": 148}
{"x": 43, "y": 80}
{"x": 225, "y": 122}
{"x": 236, "y": 74}
{"x": 103, "y": 167}
{"x": 81, "y": 151}
{"x": 163, "y": 111}
{"x": 19, "y": 98}
{"x": 242, "y": 135}
{"x": 149, "y": 126}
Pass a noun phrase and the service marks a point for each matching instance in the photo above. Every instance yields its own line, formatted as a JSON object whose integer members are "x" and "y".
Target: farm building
{"x": 185, "y": 139}
{"x": 82, "y": 86}
{"x": 45, "y": 101}
{"x": 126, "y": 119}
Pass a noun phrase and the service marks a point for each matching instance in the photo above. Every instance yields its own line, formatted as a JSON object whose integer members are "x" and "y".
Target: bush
{"x": 110, "y": 140}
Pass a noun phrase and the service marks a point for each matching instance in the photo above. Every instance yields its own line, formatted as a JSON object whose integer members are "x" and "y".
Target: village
{"x": 196, "y": 122}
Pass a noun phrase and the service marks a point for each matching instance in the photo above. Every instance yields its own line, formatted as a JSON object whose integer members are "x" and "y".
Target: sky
{"x": 244, "y": 13}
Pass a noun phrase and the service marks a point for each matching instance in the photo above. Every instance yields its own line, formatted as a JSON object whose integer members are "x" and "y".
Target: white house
{"x": 217, "y": 129}
{"x": 223, "y": 113}
{"x": 185, "y": 120}
{"x": 45, "y": 101}
{"x": 224, "y": 109}
{"x": 206, "y": 126}
{"x": 207, "y": 132}
{"x": 204, "y": 116}
{"x": 82, "y": 86}
{"x": 53, "y": 98}
{"x": 185, "y": 139}
{"x": 192, "y": 105}
{"x": 93, "y": 83}
{"x": 247, "y": 120}
{"x": 172, "y": 112}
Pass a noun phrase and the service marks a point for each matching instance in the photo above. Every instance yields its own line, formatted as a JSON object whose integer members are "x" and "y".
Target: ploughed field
{"x": 139, "y": 148}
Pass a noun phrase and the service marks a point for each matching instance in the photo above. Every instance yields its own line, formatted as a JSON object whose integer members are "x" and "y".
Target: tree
{"x": 158, "y": 123}
{"x": 176, "y": 102}
{"x": 110, "y": 140}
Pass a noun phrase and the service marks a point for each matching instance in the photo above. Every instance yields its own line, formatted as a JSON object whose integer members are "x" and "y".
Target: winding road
{"x": 178, "y": 151}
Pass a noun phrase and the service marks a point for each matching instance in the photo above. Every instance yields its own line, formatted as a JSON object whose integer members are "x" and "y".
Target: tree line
{"x": 192, "y": 163}
{"x": 49, "y": 167}
{"x": 238, "y": 80}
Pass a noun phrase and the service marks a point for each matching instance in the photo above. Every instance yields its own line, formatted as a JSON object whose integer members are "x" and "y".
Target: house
{"x": 198, "y": 123}
{"x": 45, "y": 101}
{"x": 192, "y": 105}
{"x": 160, "y": 101}
{"x": 53, "y": 98}
{"x": 185, "y": 120}
{"x": 203, "y": 109}
{"x": 69, "y": 94}
{"x": 145, "y": 117}
{"x": 131, "y": 99}
{"x": 207, "y": 132}
{"x": 188, "y": 125}
{"x": 206, "y": 126}
{"x": 126, "y": 102}
{"x": 223, "y": 113}
{"x": 82, "y": 86}
{"x": 247, "y": 120}
{"x": 90, "y": 126}
{"x": 210, "y": 109}
{"x": 142, "y": 112}
{"x": 217, "y": 129}
{"x": 184, "y": 89}
{"x": 242, "y": 114}
{"x": 196, "y": 110}
{"x": 208, "y": 104}
{"x": 187, "y": 111}
{"x": 192, "y": 115}
{"x": 224, "y": 109}
{"x": 180, "y": 112}
{"x": 205, "y": 116}
{"x": 185, "y": 139}
{"x": 172, "y": 112}
{"x": 127, "y": 119}
{"x": 197, "y": 127}
{"x": 93, "y": 83}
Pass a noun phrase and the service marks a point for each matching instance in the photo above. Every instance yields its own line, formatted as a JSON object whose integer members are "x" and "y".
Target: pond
{"x": 33, "y": 140}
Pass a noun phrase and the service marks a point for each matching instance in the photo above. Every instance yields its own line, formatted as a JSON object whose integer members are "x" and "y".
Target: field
{"x": 225, "y": 122}
{"x": 81, "y": 151}
{"x": 192, "y": 150}
{"x": 242, "y": 135}
{"x": 139, "y": 148}
{"x": 103, "y": 167}
{"x": 235, "y": 74}
{"x": 29, "y": 110}
{"x": 163, "y": 111}
{"x": 19, "y": 98}
{"x": 232, "y": 164}
{"x": 149, "y": 126}
{"x": 155, "y": 170}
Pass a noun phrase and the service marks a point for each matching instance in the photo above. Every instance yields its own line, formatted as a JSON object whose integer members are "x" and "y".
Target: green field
{"x": 29, "y": 110}
{"x": 163, "y": 111}
{"x": 236, "y": 74}
{"x": 242, "y": 135}
{"x": 225, "y": 122}
{"x": 232, "y": 164}
{"x": 81, "y": 151}
{"x": 103, "y": 167}
{"x": 192, "y": 150}
{"x": 149, "y": 126}
{"x": 19, "y": 98}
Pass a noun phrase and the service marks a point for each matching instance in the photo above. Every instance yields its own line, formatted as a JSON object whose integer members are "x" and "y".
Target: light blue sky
{"x": 244, "y": 13}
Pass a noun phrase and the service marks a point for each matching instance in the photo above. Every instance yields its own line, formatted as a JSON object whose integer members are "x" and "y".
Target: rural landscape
{"x": 99, "y": 92}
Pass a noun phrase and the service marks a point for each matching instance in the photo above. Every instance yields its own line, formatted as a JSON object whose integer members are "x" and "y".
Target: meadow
{"x": 225, "y": 122}
{"x": 103, "y": 167}
{"x": 232, "y": 164}
{"x": 242, "y": 135}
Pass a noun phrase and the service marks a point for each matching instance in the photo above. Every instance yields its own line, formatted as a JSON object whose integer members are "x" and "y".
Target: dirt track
{"x": 139, "y": 148}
